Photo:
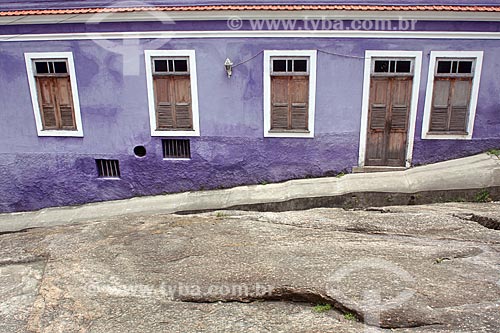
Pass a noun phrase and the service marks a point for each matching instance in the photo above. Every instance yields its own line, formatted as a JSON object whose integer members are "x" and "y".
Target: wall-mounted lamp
{"x": 228, "y": 65}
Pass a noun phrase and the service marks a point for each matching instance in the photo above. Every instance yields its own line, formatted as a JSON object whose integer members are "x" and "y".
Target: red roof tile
{"x": 430, "y": 8}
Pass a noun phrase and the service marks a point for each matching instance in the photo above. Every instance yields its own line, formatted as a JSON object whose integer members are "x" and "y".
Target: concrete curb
{"x": 475, "y": 172}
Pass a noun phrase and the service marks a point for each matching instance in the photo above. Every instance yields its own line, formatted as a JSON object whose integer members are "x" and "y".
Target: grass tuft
{"x": 495, "y": 152}
{"x": 349, "y": 316}
{"x": 483, "y": 196}
{"x": 322, "y": 308}
{"x": 220, "y": 214}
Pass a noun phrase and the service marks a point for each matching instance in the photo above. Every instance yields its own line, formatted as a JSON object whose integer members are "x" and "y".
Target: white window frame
{"x": 435, "y": 55}
{"x": 268, "y": 54}
{"x": 369, "y": 55}
{"x": 68, "y": 56}
{"x": 191, "y": 55}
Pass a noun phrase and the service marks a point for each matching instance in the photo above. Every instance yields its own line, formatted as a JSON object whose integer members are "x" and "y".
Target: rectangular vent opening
{"x": 108, "y": 168}
{"x": 176, "y": 148}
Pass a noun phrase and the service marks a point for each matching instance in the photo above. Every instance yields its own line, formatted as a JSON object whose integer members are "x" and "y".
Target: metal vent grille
{"x": 176, "y": 148}
{"x": 108, "y": 168}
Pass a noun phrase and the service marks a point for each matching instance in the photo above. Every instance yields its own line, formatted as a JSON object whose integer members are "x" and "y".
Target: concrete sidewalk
{"x": 475, "y": 172}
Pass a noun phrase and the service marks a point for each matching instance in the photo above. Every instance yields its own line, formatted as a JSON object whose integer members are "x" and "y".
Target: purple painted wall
{"x": 37, "y": 172}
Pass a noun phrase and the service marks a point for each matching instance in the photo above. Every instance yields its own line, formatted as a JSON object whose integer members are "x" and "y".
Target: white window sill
{"x": 446, "y": 136}
{"x": 175, "y": 133}
{"x": 176, "y": 159}
{"x": 288, "y": 134}
{"x": 75, "y": 134}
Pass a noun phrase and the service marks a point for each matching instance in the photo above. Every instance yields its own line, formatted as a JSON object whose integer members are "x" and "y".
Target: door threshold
{"x": 367, "y": 169}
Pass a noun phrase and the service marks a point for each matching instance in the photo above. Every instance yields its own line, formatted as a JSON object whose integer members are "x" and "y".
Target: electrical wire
{"x": 322, "y": 51}
{"x": 245, "y": 61}
{"x": 341, "y": 55}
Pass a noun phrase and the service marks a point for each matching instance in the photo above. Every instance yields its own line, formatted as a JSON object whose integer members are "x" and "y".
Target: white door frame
{"x": 369, "y": 54}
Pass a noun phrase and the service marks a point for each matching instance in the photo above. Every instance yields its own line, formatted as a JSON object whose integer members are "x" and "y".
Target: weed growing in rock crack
{"x": 349, "y": 316}
{"x": 483, "y": 196}
{"x": 341, "y": 174}
{"x": 322, "y": 308}
{"x": 220, "y": 214}
{"x": 263, "y": 182}
{"x": 495, "y": 152}
{"x": 440, "y": 260}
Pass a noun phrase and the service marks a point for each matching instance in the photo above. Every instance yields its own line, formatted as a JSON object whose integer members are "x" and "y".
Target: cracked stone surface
{"x": 396, "y": 269}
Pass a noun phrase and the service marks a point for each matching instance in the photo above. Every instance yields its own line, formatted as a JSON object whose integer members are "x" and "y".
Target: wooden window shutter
{"x": 56, "y": 103}
{"x": 440, "y": 105}
{"x": 64, "y": 99}
{"x": 163, "y": 102}
{"x": 279, "y": 102}
{"x": 459, "y": 105}
{"x": 450, "y": 106}
{"x": 183, "y": 114}
{"x": 299, "y": 97}
{"x": 47, "y": 103}
{"x": 289, "y": 102}
{"x": 173, "y": 102}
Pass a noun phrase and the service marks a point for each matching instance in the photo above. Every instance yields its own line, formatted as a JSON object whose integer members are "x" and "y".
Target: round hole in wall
{"x": 140, "y": 151}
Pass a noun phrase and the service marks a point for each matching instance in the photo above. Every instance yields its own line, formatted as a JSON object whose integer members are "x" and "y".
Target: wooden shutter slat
{"x": 377, "y": 118}
{"x": 458, "y": 118}
{"x": 278, "y": 105}
{"x": 49, "y": 116}
{"x": 183, "y": 116}
{"x": 299, "y": 116}
{"x": 67, "y": 116}
{"x": 164, "y": 114}
{"x": 279, "y": 118}
{"x": 399, "y": 117}
{"x": 439, "y": 119}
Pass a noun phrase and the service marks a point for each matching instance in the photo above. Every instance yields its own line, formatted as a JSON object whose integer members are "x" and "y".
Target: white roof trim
{"x": 254, "y": 34}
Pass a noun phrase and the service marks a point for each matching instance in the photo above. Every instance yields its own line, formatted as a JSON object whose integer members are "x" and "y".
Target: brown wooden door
{"x": 388, "y": 121}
